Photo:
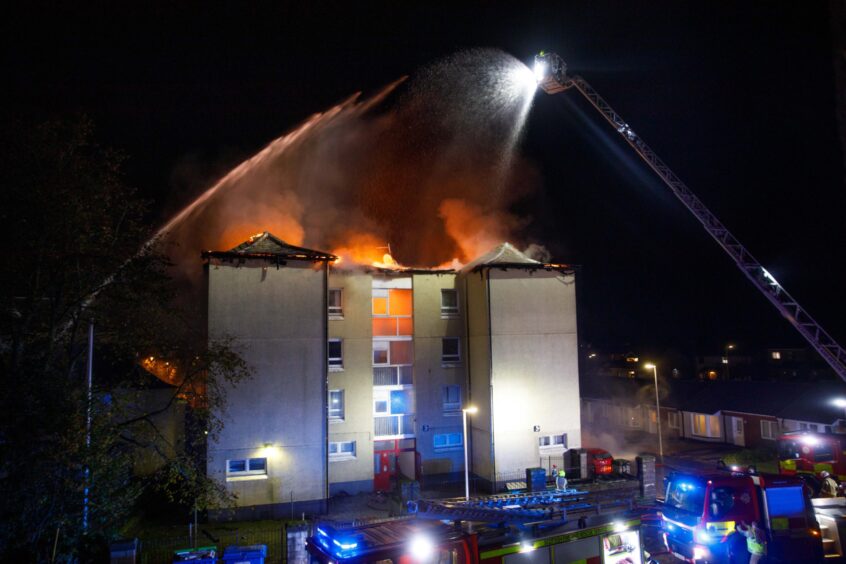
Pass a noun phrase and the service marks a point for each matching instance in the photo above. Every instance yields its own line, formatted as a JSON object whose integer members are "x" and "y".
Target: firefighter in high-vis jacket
{"x": 561, "y": 480}
{"x": 756, "y": 540}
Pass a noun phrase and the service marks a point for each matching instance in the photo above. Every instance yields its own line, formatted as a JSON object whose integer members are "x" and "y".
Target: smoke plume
{"x": 427, "y": 166}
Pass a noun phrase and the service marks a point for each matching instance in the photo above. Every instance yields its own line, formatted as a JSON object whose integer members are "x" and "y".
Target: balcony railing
{"x": 394, "y": 426}
{"x": 393, "y": 375}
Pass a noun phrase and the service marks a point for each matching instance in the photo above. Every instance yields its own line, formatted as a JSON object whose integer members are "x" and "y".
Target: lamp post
{"x": 471, "y": 409}
{"x": 839, "y": 402}
{"x": 657, "y": 409}
{"x": 729, "y": 347}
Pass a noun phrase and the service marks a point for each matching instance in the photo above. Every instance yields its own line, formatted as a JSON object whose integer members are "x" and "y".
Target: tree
{"x": 78, "y": 250}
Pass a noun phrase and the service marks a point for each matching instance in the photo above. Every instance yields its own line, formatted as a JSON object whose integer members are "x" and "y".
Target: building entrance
{"x": 394, "y": 459}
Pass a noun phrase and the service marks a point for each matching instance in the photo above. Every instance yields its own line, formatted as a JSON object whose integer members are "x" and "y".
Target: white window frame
{"x": 342, "y": 450}
{"x": 452, "y": 359}
{"x": 335, "y": 311}
{"x": 448, "y": 441}
{"x": 769, "y": 429}
{"x": 259, "y": 472}
{"x": 336, "y": 363}
{"x": 339, "y": 413}
{"x": 552, "y": 443}
{"x": 709, "y": 427}
{"x": 673, "y": 420}
{"x": 448, "y": 311}
{"x": 450, "y": 407}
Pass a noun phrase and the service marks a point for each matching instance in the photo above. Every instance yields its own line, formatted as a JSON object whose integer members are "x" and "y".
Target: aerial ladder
{"x": 551, "y": 74}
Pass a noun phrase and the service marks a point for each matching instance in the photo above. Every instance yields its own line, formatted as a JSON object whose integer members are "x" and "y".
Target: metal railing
{"x": 393, "y": 375}
{"x": 394, "y": 426}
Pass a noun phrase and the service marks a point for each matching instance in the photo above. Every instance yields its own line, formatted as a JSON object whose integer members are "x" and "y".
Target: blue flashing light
{"x": 345, "y": 545}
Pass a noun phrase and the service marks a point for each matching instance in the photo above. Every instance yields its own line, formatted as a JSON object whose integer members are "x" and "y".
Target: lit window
{"x": 769, "y": 430}
{"x": 553, "y": 442}
{"x": 451, "y": 397}
{"x": 336, "y": 354}
{"x": 380, "y": 406}
{"x": 450, "y": 350}
{"x": 776, "y": 355}
{"x": 449, "y": 303}
{"x": 246, "y": 467}
{"x": 336, "y": 404}
{"x": 343, "y": 450}
{"x": 706, "y": 425}
{"x": 336, "y": 302}
{"x": 448, "y": 440}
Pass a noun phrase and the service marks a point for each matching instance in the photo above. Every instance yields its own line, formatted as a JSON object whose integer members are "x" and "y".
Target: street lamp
{"x": 471, "y": 409}
{"x": 729, "y": 347}
{"x": 839, "y": 402}
{"x": 657, "y": 409}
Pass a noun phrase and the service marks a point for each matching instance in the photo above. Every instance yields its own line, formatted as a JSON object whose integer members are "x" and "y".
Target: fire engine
{"x": 807, "y": 454}
{"x": 700, "y": 513}
{"x": 554, "y": 526}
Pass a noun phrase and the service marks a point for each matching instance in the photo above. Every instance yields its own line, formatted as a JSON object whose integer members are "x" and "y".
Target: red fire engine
{"x": 555, "y": 526}
{"x": 700, "y": 513}
{"x": 807, "y": 454}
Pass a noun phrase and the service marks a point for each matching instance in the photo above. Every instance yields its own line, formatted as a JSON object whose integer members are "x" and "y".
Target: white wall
{"x": 535, "y": 378}
{"x": 278, "y": 318}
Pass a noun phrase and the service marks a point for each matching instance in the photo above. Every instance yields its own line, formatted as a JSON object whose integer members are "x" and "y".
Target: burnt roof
{"x": 506, "y": 255}
{"x": 265, "y": 245}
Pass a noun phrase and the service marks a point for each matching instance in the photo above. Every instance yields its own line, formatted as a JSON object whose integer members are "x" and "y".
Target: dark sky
{"x": 737, "y": 97}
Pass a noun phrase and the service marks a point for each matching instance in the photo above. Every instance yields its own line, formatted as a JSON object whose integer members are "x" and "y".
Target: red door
{"x": 385, "y": 469}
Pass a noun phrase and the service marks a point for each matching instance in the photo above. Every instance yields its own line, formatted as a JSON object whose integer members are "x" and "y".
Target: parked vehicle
{"x": 700, "y": 513}
{"x": 807, "y": 454}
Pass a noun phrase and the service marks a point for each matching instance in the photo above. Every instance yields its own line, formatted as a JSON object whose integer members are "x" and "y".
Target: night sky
{"x": 737, "y": 97}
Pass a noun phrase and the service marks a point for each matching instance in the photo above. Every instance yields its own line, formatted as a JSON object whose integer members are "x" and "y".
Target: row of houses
{"x": 742, "y": 413}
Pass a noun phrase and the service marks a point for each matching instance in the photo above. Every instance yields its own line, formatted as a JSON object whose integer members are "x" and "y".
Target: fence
{"x": 160, "y": 550}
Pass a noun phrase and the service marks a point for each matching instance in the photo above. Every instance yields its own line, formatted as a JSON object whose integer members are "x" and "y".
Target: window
{"x": 448, "y": 440}
{"x": 336, "y": 302}
{"x": 552, "y": 442}
{"x": 823, "y": 452}
{"x": 380, "y": 406}
{"x": 451, "y": 397}
{"x": 449, "y": 303}
{"x": 336, "y": 354}
{"x": 634, "y": 417}
{"x": 254, "y": 468}
{"x": 336, "y": 404}
{"x": 344, "y": 450}
{"x": 706, "y": 425}
{"x": 673, "y": 420}
{"x": 450, "y": 350}
{"x": 776, "y": 355}
{"x": 393, "y": 353}
{"x": 769, "y": 430}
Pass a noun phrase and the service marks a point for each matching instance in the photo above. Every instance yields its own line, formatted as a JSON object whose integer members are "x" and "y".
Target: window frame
{"x": 450, "y": 407}
{"x": 552, "y": 442}
{"x": 335, "y": 311}
{"x": 338, "y": 364}
{"x": 249, "y": 473}
{"x": 673, "y": 420}
{"x": 449, "y": 441}
{"x": 340, "y": 454}
{"x": 772, "y": 427}
{"x": 453, "y": 359}
{"x": 337, "y": 417}
{"x": 450, "y": 311}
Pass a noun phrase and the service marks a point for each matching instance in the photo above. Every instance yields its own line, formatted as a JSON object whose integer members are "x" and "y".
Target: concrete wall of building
{"x": 474, "y": 291}
{"x": 355, "y": 328}
{"x": 278, "y": 319}
{"x": 431, "y": 374}
{"x": 535, "y": 381}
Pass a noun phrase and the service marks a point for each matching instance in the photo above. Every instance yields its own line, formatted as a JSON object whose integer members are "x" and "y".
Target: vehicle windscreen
{"x": 686, "y": 495}
{"x": 603, "y": 457}
{"x": 789, "y": 449}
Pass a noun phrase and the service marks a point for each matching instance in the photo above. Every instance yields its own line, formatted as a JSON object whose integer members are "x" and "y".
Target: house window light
{"x": 336, "y": 405}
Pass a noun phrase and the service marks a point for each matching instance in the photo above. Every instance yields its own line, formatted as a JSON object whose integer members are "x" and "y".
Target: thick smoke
{"x": 428, "y": 166}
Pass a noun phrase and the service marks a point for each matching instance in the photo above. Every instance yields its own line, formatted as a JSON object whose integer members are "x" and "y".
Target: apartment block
{"x": 361, "y": 373}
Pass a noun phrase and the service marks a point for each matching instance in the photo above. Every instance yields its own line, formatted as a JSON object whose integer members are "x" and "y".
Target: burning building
{"x": 362, "y": 372}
